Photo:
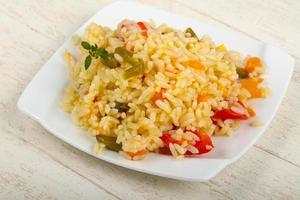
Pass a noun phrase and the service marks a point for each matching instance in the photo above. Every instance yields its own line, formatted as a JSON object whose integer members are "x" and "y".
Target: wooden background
{"x": 36, "y": 165}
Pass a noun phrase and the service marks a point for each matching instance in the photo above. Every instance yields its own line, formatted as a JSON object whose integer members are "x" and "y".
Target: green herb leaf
{"x": 87, "y": 62}
{"x": 95, "y": 52}
{"x": 94, "y": 47}
{"x": 101, "y": 52}
{"x": 85, "y": 45}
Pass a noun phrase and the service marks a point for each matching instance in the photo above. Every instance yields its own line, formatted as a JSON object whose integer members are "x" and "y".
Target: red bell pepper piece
{"x": 228, "y": 114}
{"x": 143, "y": 28}
{"x": 167, "y": 139}
{"x": 204, "y": 145}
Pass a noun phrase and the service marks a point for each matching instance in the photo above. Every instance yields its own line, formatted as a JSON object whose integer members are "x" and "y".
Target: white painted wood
{"x": 275, "y": 22}
{"x": 32, "y": 30}
{"x": 26, "y": 173}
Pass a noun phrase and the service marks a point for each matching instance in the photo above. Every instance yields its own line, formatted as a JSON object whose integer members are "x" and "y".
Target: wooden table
{"x": 36, "y": 165}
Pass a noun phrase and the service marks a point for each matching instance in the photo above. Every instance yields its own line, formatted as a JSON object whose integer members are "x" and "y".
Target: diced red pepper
{"x": 143, "y": 28}
{"x": 165, "y": 150}
{"x": 204, "y": 145}
{"x": 167, "y": 139}
{"x": 228, "y": 114}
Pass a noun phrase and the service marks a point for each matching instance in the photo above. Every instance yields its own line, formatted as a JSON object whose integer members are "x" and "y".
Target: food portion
{"x": 144, "y": 88}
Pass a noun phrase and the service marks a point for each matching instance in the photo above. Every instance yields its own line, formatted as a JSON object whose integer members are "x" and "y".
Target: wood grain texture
{"x": 36, "y": 165}
{"x": 27, "y": 174}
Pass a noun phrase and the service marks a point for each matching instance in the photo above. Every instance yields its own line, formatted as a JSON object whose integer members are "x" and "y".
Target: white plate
{"x": 40, "y": 100}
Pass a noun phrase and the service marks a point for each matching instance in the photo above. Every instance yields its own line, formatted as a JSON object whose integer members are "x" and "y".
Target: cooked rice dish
{"x": 144, "y": 88}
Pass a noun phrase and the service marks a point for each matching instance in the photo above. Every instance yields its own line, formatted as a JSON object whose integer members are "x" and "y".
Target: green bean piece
{"x": 136, "y": 69}
{"x": 110, "y": 61}
{"x": 124, "y": 53}
{"x": 191, "y": 32}
{"x": 241, "y": 72}
{"x": 110, "y": 142}
{"x": 122, "y": 107}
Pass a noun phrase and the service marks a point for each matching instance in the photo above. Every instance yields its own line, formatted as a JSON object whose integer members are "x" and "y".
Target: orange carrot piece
{"x": 138, "y": 153}
{"x": 252, "y": 63}
{"x": 158, "y": 95}
{"x": 251, "y": 84}
{"x": 251, "y": 112}
{"x": 193, "y": 63}
{"x": 144, "y": 33}
{"x": 202, "y": 98}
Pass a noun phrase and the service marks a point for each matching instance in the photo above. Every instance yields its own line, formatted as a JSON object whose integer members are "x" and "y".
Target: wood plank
{"x": 25, "y": 173}
{"x": 275, "y": 22}
{"x": 257, "y": 175}
{"x": 267, "y": 175}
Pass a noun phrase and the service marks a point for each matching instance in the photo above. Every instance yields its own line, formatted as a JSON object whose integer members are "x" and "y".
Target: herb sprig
{"x": 94, "y": 52}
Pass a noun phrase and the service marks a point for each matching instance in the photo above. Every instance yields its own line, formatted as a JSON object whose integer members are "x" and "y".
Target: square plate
{"x": 41, "y": 98}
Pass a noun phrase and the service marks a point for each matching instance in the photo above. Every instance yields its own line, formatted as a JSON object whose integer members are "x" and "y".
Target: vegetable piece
{"x": 193, "y": 63}
{"x": 144, "y": 33}
{"x": 191, "y": 32}
{"x": 110, "y": 61}
{"x": 85, "y": 45}
{"x": 241, "y": 72}
{"x": 124, "y": 53}
{"x": 101, "y": 52}
{"x": 167, "y": 139}
{"x": 252, "y": 63}
{"x": 158, "y": 95}
{"x": 133, "y": 71}
{"x": 98, "y": 52}
{"x": 165, "y": 150}
{"x": 137, "y": 64}
{"x": 228, "y": 114}
{"x": 251, "y": 112}
{"x": 143, "y": 28}
{"x": 202, "y": 98}
{"x": 122, "y": 107}
{"x": 221, "y": 47}
{"x": 110, "y": 142}
{"x": 138, "y": 153}
{"x": 203, "y": 145}
{"x": 252, "y": 85}
{"x": 87, "y": 62}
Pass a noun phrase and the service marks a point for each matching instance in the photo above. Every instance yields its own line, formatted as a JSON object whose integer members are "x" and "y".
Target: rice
{"x": 164, "y": 98}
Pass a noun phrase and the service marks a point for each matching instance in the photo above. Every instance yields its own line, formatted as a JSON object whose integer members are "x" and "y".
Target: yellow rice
{"x": 163, "y": 52}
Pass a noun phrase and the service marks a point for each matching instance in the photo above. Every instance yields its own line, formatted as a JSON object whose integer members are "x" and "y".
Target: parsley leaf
{"x": 85, "y": 45}
{"x": 87, "y": 62}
